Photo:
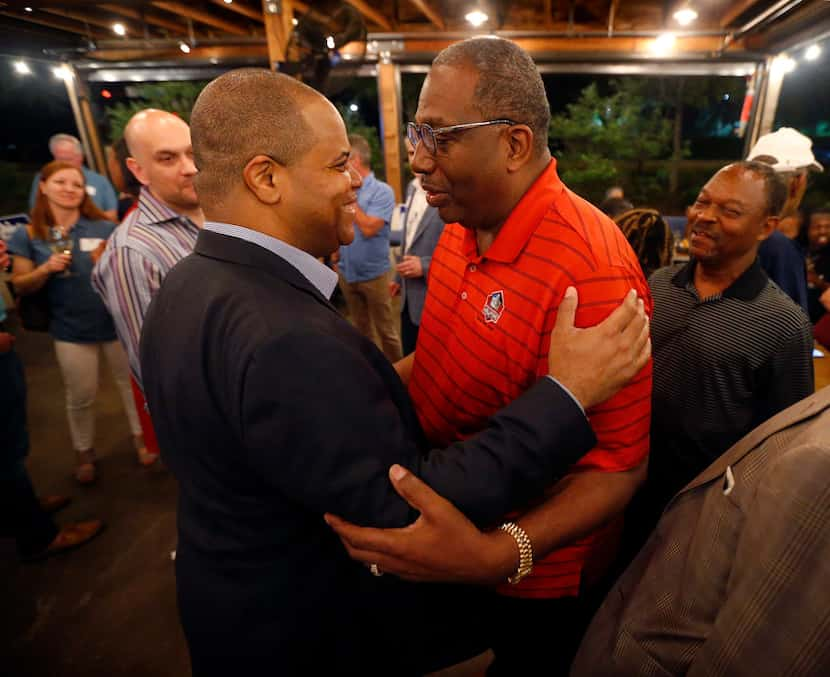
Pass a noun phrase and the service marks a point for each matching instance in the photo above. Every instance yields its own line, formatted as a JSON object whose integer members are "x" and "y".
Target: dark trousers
{"x": 20, "y": 512}
{"x": 409, "y": 331}
{"x": 539, "y": 636}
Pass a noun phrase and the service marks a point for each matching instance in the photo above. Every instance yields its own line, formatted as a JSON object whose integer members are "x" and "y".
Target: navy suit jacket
{"x": 271, "y": 410}
{"x": 428, "y": 232}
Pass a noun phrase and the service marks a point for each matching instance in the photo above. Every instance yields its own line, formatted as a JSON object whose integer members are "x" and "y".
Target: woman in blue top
{"x": 79, "y": 322}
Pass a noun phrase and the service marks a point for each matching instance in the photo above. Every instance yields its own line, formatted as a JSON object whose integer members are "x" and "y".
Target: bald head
{"x": 242, "y": 114}
{"x": 149, "y": 128}
{"x": 161, "y": 157}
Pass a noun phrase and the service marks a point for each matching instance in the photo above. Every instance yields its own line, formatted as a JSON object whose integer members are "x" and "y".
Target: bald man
{"x": 271, "y": 409}
{"x": 159, "y": 232}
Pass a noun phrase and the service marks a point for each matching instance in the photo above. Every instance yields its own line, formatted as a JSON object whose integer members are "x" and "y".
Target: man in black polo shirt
{"x": 730, "y": 348}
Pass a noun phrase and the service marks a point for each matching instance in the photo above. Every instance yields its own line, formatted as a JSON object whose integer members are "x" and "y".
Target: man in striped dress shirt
{"x": 156, "y": 235}
{"x": 159, "y": 232}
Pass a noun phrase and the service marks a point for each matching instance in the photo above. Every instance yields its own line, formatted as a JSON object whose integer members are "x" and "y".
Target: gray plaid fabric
{"x": 735, "y": 580}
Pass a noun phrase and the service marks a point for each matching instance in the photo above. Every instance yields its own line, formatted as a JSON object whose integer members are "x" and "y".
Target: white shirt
{"x": 415, "y": 213}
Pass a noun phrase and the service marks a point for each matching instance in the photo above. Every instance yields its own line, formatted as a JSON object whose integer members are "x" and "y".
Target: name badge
{"x": 89, "y": 244}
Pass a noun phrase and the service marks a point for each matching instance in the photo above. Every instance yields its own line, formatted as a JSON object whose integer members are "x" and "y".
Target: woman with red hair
{"x": 53, "y": 253}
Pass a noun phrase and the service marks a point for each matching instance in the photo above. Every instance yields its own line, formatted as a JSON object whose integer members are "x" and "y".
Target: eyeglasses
{"x": 416, "y": 133}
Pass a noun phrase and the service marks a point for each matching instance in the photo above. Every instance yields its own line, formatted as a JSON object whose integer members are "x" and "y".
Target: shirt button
{"x": 463, "y": 296}
{"x": 472, "y": 267}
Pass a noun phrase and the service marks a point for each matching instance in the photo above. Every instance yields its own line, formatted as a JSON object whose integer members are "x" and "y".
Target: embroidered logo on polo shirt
{"x": 493, "y": 307}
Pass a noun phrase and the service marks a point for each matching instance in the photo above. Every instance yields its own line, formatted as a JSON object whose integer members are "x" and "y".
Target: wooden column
{"x": 278, "y": 27}
{"x": 389, "y": 97}
{"x": 768, "y": 106}
{"x": 78, "y": 94}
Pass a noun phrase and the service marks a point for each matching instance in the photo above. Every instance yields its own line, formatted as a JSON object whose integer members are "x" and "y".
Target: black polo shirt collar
{"x": 750, "y": 283}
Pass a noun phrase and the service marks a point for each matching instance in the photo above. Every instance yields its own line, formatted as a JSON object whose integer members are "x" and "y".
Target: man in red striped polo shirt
{"x": 516, "y": 239}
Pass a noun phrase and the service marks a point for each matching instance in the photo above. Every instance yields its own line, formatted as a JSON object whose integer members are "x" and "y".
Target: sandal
{"x": 85, "y": 471}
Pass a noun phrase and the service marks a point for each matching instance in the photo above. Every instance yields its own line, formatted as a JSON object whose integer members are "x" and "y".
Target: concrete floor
{"x": 108, "y": 608}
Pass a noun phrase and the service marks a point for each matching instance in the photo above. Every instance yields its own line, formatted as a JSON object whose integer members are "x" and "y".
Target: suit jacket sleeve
{"x": 319, "y": 424}
{"x": 775, "y": 618}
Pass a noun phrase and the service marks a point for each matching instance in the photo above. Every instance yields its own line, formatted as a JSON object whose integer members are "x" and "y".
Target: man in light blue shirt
{"x": 66, "y": 148}
{"x": 365, "y": 276}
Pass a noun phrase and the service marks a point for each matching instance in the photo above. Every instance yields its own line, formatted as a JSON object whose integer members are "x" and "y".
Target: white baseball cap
{"x": 789, "y": 148}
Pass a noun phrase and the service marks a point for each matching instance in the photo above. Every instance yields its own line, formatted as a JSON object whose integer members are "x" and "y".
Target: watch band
{"x": 525, "y": 551}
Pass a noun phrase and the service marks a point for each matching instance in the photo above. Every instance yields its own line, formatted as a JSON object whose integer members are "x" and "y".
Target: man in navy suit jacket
{"x": 271, "y": 410}
{"x": 422, "y": 228}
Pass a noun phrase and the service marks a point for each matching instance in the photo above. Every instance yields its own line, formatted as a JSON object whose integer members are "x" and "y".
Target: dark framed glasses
{"x": 417, "y": 133}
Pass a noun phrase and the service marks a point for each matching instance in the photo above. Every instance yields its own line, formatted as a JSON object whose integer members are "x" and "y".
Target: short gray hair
{"x": 509, "y": 84}
{"x": 361, "y": 148}
{"x": 64, "y": 138}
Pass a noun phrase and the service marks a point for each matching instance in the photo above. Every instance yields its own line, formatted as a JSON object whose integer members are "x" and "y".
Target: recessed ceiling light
{"x": 119, "y": 29}
{"x": 476, "y": 17}
{"x": 22, "y": 68}
{"x": 663, "y": 44}
{"x": 685, "y": 15}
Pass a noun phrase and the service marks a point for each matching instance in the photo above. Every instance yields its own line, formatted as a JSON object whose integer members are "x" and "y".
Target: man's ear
{"x": 137, "y": 171}
{"x": 769, "y": 225}
{"x": 261, "y": 176}
{"x": 519, "y": 147}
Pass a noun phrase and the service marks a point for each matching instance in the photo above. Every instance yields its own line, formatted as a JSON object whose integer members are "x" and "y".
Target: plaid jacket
{"x": 735, "y": 580}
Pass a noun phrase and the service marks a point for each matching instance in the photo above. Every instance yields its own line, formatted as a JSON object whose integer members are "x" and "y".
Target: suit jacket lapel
{"x": 242, "y": 252}
{"x": 806, "y": 408}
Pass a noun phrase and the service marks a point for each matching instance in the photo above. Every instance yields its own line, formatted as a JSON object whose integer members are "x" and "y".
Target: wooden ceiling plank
{"x": 430, "y": 14}
{"x": 371, "y": 13}
{"x": 60, "y": 24}
{"x": 735, "y": 10}
{"x": 147, "y": 17}
{"x": 201, "y": 16}
{"x": 91, "y": 20}
{"x": 239, "y": 8}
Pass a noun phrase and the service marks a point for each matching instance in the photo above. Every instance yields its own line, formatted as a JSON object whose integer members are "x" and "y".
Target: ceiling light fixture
{"x": 119, "y": 29}
{"x": 476, "y": 17}
{"x": 812, "y": 53}
{"x": 685, "y": 15}
{"x": 61, "y": 73}
{"x": 184, "y": 47}
{"x": 783, "y": 64}
{"x": 22, "y": 68}
{"x": 663, "y": 44}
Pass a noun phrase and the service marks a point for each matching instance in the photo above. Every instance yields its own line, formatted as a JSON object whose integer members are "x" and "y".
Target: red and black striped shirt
{"x": 485, "y": 334}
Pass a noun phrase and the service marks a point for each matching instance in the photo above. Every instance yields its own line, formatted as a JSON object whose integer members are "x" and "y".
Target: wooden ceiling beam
{"x": 430, "y": 14}
{"x": 147, "y": 17}
{"x": 220, "y": 52}
{"x": 578, "y": 47}
{"x": 201, "y": 16}
{"x": 371, "y": 13}
{"x": 61, "y": 24}
{"x": 735, "y": 10}
{"x": 239, "y": 8}
{"x": 91, "y": 20}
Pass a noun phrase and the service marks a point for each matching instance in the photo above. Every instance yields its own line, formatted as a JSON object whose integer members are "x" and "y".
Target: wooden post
{"x": 78, "y": 94}
{"x": 389, "y": 97}
{"x": 278, "y": 15}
